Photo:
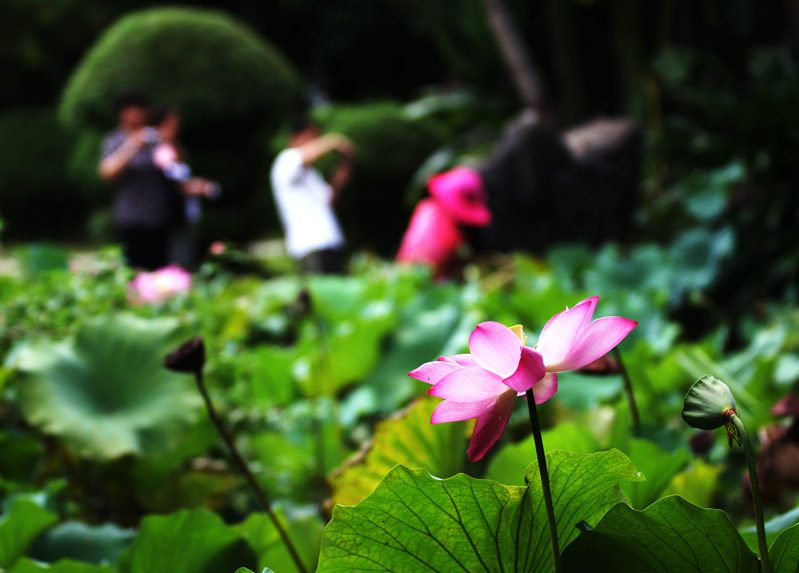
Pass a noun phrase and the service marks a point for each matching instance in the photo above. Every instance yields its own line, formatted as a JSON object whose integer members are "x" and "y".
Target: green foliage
{"x": 413, "y": 520}
{"x": 195, "y": 541}
{"x": 40, "y": 257}
{"x": 304, "y": 531}
{"x": 21, "y": 522}
{"x": 734, "y": 110}
{"x": 390, "y": 147}
{"x": 81, "y": 542}
{"x": 774, "y": 528}
{"x": 212, "y": 67}
{"x": 302, "y": 376}
{"x": 426, "y": 324}
{"x": 509, "y": 464}
{"x": 38, "y": 201}
{"x": 407, "y": 438}
{"x": 670, "y": 535}
{"x": 55, "y": 303}
{"x": 105, "y": 393}
{"x": 26, "y": 565}
{"x": 657, "y": 465}
{"x": 784, "y": 553}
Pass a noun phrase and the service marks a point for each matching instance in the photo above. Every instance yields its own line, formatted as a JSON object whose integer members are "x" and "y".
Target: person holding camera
{"x": 305, "y": 200}
{"x": 145, "y": 200}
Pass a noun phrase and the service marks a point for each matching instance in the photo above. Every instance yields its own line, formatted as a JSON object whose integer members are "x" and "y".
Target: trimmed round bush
{"x": 212, "y": 67}
{"x": 390, "y": 148}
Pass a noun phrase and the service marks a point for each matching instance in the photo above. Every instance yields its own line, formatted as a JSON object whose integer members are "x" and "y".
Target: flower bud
{"x": 709, "y": 404}
{"x": 188, "y": 357}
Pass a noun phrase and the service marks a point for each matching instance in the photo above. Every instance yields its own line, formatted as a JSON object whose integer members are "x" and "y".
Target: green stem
{"x": 245, "y": 469}
{"x": 628, "y": 390}
{"x": 542, "y": 470}
{"x": 765, "y": 564}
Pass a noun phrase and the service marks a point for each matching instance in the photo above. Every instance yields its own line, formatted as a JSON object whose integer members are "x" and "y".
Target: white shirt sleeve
{"x": 288, "y": 168}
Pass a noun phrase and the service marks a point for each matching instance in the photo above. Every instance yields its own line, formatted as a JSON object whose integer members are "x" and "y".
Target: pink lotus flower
{"x": 485, "y": 383}
{"x": 159, "y": 285}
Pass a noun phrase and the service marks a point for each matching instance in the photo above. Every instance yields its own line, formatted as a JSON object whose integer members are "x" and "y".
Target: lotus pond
{"x": 110, "y": 461}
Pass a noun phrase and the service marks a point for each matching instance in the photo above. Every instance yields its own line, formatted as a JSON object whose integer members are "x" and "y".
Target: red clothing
{"x": 432, "y": 237}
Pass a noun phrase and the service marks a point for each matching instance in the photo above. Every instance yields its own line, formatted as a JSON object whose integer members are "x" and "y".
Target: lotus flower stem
{"x": 544, "y": 473}
{"x": 628, "y": 390}
{"x": 260, "y": 493}
{"x": 765, "y": 563}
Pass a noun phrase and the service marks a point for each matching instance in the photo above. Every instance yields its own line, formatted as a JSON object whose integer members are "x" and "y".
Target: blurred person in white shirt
{"x": 305, "y": 200}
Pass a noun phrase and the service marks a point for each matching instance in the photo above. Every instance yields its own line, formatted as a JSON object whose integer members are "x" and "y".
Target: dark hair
{"x": 131, "y": 98}
{"x": 159, "y": 114}
{"x": 300, "y": 122}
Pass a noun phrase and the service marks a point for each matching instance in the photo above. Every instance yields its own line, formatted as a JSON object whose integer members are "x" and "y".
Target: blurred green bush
{"x": 230, "y": 87}
{"x": 36, "y": 199}
{"x": 390, "y": 148}
{"x": 212, "y": 67}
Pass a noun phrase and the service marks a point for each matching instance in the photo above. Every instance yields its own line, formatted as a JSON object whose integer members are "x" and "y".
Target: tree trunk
{"x": 515, "y": 53}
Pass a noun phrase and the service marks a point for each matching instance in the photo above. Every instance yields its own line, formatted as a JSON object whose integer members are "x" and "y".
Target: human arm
{"x": 117, "y": 161}
{"x": 312, "y": 150}
{"x": 199, "y": 187}
{"x": 340, "y": 177}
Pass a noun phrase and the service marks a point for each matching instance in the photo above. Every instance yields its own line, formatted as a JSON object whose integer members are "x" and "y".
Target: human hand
{"x": 344, "y": 145}
{"x": 196, "y": 186}
{"x": 142, "y": 137}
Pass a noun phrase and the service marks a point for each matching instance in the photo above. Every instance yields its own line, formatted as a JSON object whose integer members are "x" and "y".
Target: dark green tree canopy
{"x": 210, "y": 66}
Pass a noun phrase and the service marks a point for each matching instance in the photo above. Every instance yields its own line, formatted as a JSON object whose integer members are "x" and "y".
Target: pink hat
{"x": 460, "y": 191}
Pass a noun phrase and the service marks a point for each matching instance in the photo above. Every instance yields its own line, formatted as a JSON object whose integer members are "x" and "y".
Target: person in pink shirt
{"x": 457, "y": 197}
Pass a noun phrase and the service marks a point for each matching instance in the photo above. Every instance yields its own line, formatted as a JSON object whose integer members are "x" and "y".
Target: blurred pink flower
{"x": 485, "y": 383}
{"x": 217, "y": 248}
{"x": 159, "y": 285}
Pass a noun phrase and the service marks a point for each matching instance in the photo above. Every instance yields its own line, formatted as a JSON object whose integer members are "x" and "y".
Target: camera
{"x": 150, "y": 135}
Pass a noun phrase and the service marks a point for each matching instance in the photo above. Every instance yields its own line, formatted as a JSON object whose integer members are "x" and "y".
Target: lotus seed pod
{"x": 708, "y": 404}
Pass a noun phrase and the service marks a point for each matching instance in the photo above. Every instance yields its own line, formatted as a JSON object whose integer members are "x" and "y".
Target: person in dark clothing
{"x": 144, "y": 202}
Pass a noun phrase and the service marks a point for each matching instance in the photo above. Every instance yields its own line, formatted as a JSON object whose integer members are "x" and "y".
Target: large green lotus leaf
{"x": 658, "y": 465}
{"x": 416, "y": 522}
{"x": 670, "y": 535}
{"x": 424, "y": 328}
{"x": 26, "y": 565}
{"x": 162, "y": 484}
{"x": 188, "y": 541}
{"x": 583, "y": 392}
{"x": 784, "y": 553}
{"x": 264, "y": 377}
{"x": 105, "y": 392}
{"x": 19, "y": 525}
{"x": 509, "y": 464}
{"x": 286, "y": 467}
{"x": 342, "y": 343}
{"x": 407, "y": 438}
{"x": 305, "y": 533}
{"x": 99, "y": 544}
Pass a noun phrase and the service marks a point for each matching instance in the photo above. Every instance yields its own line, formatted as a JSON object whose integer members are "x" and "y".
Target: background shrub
{"x": 390, "y": 148}
{"x": 212, "y": 67}
{"x": 36, "y": 198}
